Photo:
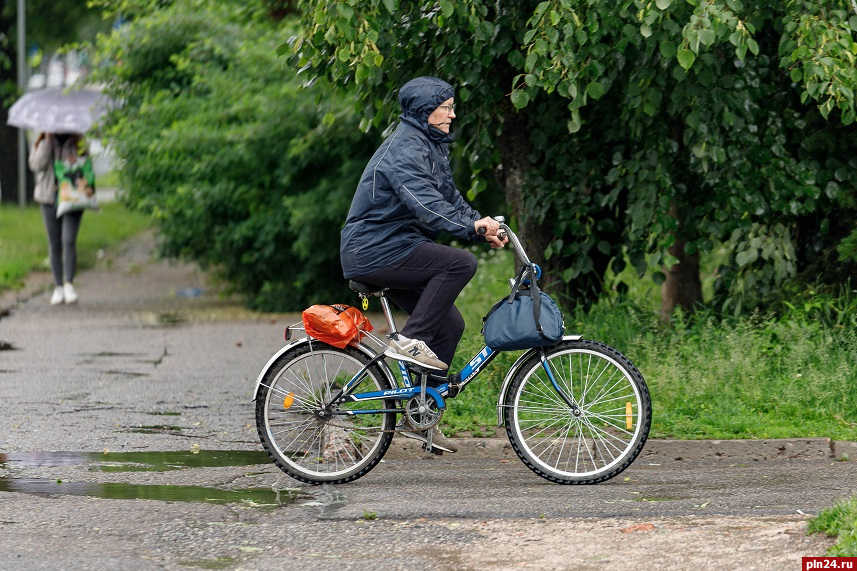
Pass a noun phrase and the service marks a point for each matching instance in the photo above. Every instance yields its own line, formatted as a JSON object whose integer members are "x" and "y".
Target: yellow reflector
{"x": 365, "y": 303}
{"x": 290, "y": 398}
{"x": 629, "y": 419}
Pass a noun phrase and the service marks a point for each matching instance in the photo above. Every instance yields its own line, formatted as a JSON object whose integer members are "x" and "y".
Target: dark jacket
{"x": 406, "y": 194}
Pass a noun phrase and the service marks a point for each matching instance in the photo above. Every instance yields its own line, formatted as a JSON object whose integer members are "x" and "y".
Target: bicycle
{"x": 577, "y": 412}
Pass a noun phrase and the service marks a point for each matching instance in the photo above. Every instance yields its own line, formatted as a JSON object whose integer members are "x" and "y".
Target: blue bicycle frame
{"x": 410, "y": 388}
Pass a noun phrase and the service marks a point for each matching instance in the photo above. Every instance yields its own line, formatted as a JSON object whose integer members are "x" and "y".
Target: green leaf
{"x": 667, "y": 49}
{"x": 520, "y": 98}
{"x": 686, "y": 58}
{"x": 706, "y": 37}
{"x": 528, "y": 37}
{"x": 595, "y": 90}
{"x": 574, "y": 123}
{"x": 645, "y": 31}
{"x": 390, "y": 5}
{"x": 826, "y": 107}
{"x": 328, "y": 119}
{"x": 753, "y": 46}
{"x": 796, "y": 74}
{"x": 447, "y": 7}
{"x": 663, "y": 4}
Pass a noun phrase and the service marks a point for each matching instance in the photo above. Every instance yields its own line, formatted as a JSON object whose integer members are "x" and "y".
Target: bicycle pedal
{"x": 435, "y": 451}
{"x": 454, "y": 390}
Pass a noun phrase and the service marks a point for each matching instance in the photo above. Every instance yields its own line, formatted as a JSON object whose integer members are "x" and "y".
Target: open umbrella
{"x": 55, "y": 110}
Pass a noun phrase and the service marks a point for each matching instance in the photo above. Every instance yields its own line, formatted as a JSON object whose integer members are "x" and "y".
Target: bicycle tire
{"x": 615, "y": 413}
{"x": 313, "y": 448}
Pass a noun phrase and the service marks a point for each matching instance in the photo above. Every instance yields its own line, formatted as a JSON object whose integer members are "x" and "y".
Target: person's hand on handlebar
{"x": 490, "y": 228}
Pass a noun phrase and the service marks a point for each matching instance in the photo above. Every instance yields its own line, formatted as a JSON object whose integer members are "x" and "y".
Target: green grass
{"x": 760, "y": 376}
{"x": 24, "y": 243}
{"x": 839, "y": 521}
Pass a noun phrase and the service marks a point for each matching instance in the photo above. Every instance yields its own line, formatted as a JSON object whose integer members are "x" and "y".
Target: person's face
{"x": 442, "y": 116}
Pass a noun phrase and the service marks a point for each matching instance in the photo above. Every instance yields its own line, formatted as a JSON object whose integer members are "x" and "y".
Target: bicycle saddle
{"x": 361, "y": 287}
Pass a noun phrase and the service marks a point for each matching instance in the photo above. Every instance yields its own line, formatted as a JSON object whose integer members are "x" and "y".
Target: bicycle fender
{"x": 360, "y": 347}
{"x": 507, "y": 381}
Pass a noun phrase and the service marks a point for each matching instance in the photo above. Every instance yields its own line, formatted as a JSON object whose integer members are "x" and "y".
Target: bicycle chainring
{"x": 422, "y": 417}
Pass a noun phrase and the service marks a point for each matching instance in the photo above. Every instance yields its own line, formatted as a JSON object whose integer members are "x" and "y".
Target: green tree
{"x": 646, "y": 131}
{"x": 222, "y": 145}
{"x": 719, "y": 144}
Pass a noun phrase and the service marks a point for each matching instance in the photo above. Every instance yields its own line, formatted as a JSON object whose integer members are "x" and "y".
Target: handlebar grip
{"x": 482, "y": 231}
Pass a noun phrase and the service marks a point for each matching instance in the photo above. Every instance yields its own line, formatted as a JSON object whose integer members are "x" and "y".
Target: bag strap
{"x": 536, "y": 296}
{"x": 519, "y": 279}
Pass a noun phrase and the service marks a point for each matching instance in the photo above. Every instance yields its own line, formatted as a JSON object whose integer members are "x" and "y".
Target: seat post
{"x": 388, "y": 314}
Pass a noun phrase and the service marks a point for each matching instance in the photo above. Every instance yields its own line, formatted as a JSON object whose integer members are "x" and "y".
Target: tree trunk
{"x": 683, "y": 286}
{"x": 9, "y": 163}
{"x": 8, "y": 135}
{"x": 513, "y": 146}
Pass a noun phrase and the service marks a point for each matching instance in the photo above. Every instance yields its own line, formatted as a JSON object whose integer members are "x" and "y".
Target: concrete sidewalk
{"x": 134, "y": 287}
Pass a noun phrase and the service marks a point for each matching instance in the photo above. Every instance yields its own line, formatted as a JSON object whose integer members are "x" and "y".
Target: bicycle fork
{"x": 575, "y": 410}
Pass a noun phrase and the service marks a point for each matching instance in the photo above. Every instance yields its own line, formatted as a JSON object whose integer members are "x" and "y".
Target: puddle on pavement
{"x": 254, "y": 497}
{"x": 137, "y": 461}
{"x": 156, "y": 429}
{"x": 144, "y": 462}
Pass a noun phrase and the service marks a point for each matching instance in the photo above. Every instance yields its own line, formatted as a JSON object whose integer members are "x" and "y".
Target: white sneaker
{"x": 58, "y": 297}
{"x": 414, "y": 351}
{"x": 69, "y": 293}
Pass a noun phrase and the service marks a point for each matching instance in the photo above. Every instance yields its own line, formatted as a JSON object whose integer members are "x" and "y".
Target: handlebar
{"x": 506, "y": 232}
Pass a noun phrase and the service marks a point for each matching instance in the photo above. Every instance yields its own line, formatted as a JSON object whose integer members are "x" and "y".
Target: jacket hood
{"x": 419, "y": 98}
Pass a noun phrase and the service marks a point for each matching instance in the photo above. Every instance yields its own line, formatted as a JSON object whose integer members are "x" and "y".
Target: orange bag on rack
{"x": 337, "y": 325}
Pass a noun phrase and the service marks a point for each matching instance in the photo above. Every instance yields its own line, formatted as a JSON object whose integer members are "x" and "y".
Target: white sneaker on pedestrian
{"x": 414, "y": 351}
{"x": 58, "y": 297}
{"x": 69, "y": 293}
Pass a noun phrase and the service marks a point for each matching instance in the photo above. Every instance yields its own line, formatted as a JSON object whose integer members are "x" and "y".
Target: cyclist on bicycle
{"x": 405, "y": 199}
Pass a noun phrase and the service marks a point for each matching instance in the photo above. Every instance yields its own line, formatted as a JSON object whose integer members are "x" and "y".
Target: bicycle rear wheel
{"x": 601, "y": 437}
{"x": 298, "y": 432}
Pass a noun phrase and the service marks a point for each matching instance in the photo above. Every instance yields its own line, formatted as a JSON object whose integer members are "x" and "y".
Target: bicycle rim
{"x": 601, "y": 438}
{"x": 312, "y": 447}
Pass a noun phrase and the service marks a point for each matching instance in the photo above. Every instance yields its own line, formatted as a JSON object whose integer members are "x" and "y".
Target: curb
{"x": 657, "y": 450}
{"x": 36, "y": 283}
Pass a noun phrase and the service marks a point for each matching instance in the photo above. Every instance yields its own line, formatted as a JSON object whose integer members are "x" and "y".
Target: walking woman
{"x": 62, "y": 231}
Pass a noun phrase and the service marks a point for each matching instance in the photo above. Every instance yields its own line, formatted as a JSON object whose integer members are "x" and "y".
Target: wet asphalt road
{"x": 152, "y": 361}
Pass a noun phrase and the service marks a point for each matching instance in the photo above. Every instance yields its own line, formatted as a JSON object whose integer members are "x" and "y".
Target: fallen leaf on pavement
{"x": 639, "y": 527}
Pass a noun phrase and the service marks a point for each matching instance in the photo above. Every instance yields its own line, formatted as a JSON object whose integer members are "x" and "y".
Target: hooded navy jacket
{"x": 406, "y": 194}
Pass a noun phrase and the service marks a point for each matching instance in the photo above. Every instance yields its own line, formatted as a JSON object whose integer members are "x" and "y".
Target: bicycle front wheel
{"x": 306, "y": 438}
{"x": 581, "y": 417}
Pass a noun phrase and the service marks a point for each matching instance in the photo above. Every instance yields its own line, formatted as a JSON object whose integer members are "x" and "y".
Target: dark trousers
{"x": 62, "y": 241}
{"x": 425, "y": 285}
